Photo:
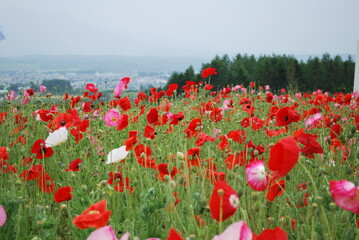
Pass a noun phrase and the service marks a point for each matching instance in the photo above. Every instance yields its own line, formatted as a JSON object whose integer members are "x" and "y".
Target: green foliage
{"x": 57, "y": 86}
{"x": 326, "y": 73}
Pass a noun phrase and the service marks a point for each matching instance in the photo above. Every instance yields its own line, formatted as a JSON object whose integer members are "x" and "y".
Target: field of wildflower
{"x": 242, "y": 162}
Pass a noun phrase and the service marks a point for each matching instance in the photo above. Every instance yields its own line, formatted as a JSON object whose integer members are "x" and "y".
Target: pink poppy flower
{"x": 313, "y": 121}
{"x": 120, "y": 87}
{"x": 2, "y": 216}
{"x": 112, "y": 118}
{"x": 42, "y": 89}
{"x": 345, "y": 194}
{"x": 10, "y": 96}
{"x": 104, "y": 233}
{"x": 236, "y": 231}
{"x": 256, "y": 176}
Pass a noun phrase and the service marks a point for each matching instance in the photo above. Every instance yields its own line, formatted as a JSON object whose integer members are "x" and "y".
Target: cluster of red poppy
{"x": 284, "y": 126}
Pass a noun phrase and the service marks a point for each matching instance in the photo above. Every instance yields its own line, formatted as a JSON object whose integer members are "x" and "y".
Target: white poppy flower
{"x": 56, "y": 137}
{"x": 116, "y": 155}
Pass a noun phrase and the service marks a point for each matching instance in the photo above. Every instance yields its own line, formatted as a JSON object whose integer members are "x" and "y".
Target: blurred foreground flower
{"x": 104, "y": 233}
{"x": 345, "y": 195}
{"x": 235, "y": 231}
{"x": 2, "y": 216}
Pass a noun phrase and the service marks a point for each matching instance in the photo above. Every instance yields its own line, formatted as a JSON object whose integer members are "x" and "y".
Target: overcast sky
{"x": 199, "y": 28}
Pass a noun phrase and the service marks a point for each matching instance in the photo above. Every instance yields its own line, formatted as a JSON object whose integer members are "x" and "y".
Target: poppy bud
{"x": 180, "y": 155}
{"x": 239, "y": 193}
{"x": 257, "y": 206}
{"x": 191, "y": 237}
{"x": 344, "y": 217}
{"x": 255, "y": 195}
{"x": 103, "y": 183}
{"x": 332, "y": 206}
{"x": 220, "y": 192}
{"x": 84, "y": 187}
{"x": 63, "y": 207}
{"x": 270, "y": 220}
{"x": 171, "y": 183}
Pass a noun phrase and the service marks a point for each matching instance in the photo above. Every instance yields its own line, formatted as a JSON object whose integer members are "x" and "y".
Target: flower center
{"x": 234, "y": 201}
{"x": 93, "y": 212}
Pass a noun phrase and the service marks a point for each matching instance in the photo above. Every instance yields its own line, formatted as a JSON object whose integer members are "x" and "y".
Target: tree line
{"x": 328, "y": 73}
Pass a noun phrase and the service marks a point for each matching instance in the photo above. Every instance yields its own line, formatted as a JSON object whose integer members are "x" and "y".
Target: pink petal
{"x": 256, "y": 176}
{"x": 346, "y": 195}
{"x": 2, "y": 216}
{"x": 104, "y": 233}
{"x": 236, "y": 231}
{"x": 125, "y": 236}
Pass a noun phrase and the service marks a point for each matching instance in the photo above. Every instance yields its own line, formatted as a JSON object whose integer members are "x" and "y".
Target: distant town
{"x": 103, "y": 71}
{"x": 103, "y": 80}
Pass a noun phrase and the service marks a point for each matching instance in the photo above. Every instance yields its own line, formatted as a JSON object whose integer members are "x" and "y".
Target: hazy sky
{"x": 198, "y": 28}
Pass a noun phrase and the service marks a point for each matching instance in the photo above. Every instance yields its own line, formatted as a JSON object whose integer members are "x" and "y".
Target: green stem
{"x": 324, "y": 217}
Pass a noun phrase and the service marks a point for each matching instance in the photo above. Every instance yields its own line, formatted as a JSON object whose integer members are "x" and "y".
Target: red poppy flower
{"x": 120, "y": 183}
{"x": 74, "y": 165}
{"x": 39, "y": 148}
{"x": 64, "y": 120}
{"x": 131, "y": 140}
{"x": 224, "y": 201}
{"x": 202, "y": 138}
{"x": 174, "y": 235}
{"x": 275, "y": 234}
{"x": 310, "y": 143}
{"x": 144, "y": 156}
{"x": 192, "y": 157}
{"x": 91, "y": 87}
{"x": 171, "y": 88}
{"x": 194, "y": 128}
{"x": 275, "y": 190}
{"x": 77, "y": 134}
{"x": 149, "y": 132}
{"x": 45, "y": 183}
{"x": 63, "y": 194}
{"x": 208, "y": 87}
{"x": 285, "y": 116}
{"x": 335, "y": 131}
{"x": 152, "y": 116}
{"x": 32, "y": 173}
{"x": 2, "y": 116}
{"x": 208, "y": 72}
{"x": 30, "y": 91}
{"x": 86, "y": 107}
{"x": 283, "y": 157}
{"x": 4, "y": 155}
{"x": 125, "y": 103}
{"x": 163, "y": 171}
{"x": 95, "y": 216}
{"x": 238, "y": 136}
{"x": 123, "y": 123}
{"x": 26, "y": 161}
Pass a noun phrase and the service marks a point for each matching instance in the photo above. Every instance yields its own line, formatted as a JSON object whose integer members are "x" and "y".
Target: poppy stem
{"x": 220, "y": 209}
{"x": 324, "y": 216}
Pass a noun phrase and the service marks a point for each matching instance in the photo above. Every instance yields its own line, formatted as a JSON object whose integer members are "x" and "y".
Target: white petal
{"x": 56, "y": 137}
{"x": 116, "y": 155}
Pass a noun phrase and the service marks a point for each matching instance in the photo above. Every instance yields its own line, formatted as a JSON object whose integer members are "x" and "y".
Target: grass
{"x": 150, "y": 210}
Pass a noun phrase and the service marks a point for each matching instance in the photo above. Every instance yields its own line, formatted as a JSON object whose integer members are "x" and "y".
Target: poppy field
{"x": 242, "y": 162}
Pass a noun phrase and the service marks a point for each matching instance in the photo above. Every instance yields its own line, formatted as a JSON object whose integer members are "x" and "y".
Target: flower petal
{"x": 116, "y": 155}
{"x": 56, "y": 137}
